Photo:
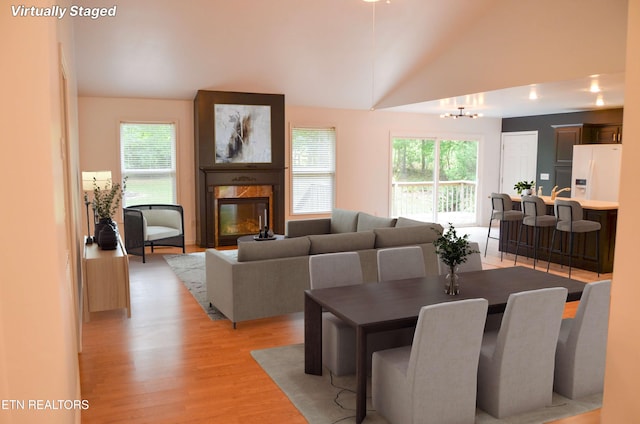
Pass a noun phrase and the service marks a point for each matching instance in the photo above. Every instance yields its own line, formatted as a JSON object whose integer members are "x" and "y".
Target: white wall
{"x": 38, "y": 314}
{"x": 622, "y": 377}
{"x": 363, "y": 147}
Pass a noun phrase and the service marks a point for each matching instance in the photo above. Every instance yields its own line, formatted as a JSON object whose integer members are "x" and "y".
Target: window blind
{"x": 148, "y": 160}
{"x": 313, "y": 167}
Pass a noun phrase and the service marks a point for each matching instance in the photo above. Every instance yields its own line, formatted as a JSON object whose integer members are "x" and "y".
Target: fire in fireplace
{"x": 241, "y": 210}
{"x": 238, "y": 217}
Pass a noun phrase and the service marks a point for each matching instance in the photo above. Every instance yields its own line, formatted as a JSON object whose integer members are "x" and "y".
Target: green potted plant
{"x": 526, "y": 186}
{"x": 105, "y": 205}
{"x": 453, "y": 251}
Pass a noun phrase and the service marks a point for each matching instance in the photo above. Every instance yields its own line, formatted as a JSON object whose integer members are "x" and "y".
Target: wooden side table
{"x": 106, "y": 279}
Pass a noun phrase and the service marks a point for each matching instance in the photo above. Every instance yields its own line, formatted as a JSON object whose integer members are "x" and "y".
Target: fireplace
{"x": 241, "y": 210}
{"x": 241, "y": 196}
{"x": 233, "y": 191}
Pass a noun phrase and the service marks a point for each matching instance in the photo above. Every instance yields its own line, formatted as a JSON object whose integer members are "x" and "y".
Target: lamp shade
{"x": 101, "y": 179}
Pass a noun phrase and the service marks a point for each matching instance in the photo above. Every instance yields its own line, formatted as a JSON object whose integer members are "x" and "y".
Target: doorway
{"x": 519, "y": 159}
{"x": 434, "y": 179}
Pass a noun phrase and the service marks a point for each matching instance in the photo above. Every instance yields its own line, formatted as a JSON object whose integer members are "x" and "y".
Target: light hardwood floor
{"x": 169, "y": 363}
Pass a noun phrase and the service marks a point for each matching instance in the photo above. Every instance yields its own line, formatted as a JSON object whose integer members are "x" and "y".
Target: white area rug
{"x": 329, "y": 399}
{"x": 190, "y": 269}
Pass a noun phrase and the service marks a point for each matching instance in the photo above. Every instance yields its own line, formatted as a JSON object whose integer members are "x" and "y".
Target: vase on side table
{"x": 108, "y": 239}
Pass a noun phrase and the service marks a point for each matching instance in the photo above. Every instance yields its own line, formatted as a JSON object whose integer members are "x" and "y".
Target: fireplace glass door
{"x": 239, "y": 217}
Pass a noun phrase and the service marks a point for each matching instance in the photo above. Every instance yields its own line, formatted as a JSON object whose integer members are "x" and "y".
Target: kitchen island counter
{"x": 596, "y": 205}
{"x": 584, "y": 249}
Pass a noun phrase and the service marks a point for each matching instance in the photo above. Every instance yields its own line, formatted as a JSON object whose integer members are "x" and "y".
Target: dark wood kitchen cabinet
{"x": 607, "y": 133}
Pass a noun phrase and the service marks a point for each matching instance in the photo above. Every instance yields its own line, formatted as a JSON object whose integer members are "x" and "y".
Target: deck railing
{"x": 456, "y": 200}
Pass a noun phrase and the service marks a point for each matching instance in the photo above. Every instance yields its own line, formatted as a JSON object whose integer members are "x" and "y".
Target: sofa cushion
{"x": 343, "y": 221}
{"x": 407, "y": 222}
{"x": 306, "y": 227}
{"x": 404, "y": 236}
{"x": 346, "y": 242}
{"x": 261, "y": 250}
{"x": 367, "y": 222}
{"x": 156, "y": 232}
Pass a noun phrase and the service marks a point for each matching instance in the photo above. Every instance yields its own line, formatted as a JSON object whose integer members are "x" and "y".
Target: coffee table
{"x": 375, "y": 307}
{"x": 252, "y": 238}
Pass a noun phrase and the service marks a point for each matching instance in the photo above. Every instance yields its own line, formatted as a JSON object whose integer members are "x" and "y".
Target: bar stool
{"x": 535, "y": 215}
{"x": 569, "y": 220}
{"x": 502, "y": 210}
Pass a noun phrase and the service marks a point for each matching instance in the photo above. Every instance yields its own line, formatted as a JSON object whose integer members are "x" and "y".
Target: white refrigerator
{"x": 595, "y": 173}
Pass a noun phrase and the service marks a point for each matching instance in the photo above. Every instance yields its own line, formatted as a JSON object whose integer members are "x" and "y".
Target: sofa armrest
{"x": 251, "y": 290}
{"x": 307, "y": 227}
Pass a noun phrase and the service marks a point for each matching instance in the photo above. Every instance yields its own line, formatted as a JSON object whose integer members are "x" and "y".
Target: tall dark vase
{"x": 108, "y": 237}
{"x": 100, "y": 225}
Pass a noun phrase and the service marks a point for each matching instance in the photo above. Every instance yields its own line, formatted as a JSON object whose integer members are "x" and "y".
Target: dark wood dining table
{"x": 382, "y": 306}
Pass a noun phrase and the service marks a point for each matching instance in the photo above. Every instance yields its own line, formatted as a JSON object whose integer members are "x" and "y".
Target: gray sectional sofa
{"x": 268, "y": 278}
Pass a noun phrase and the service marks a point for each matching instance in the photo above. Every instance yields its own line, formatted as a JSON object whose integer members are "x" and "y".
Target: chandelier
{"x": 461, "y": 114}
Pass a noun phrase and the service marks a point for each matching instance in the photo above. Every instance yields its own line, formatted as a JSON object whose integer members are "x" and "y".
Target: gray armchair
{"x": 153, "y": 225}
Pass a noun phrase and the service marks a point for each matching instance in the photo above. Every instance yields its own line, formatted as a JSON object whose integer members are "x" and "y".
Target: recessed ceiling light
{"x": 595, "y": 87}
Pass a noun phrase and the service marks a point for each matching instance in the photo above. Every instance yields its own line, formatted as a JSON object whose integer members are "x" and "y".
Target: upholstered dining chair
{"x": 515, "y": 370}
{"x": 569, "y": 219}
{"x": 502, "y": 210}
{"x": 338, "y": 338}
{"x": 473, "y": 263}
{"x": 582, "y": 344}
{"x": 535, "y": 216}
{"x": 399, "y": 263}
{"x": 434, "y": 379}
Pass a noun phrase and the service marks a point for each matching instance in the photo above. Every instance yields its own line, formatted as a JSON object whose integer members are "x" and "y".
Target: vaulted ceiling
{"x": 426, "y": 56}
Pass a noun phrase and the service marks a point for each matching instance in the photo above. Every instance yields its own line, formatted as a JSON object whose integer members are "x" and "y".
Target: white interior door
{"x": 519, "y": 159}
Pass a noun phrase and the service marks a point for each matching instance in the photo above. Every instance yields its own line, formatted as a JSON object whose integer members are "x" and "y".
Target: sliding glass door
{"x": 434, "y": 179}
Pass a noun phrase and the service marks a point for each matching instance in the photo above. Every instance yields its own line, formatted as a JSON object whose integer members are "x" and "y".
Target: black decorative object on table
{"x": 108, "y": 237}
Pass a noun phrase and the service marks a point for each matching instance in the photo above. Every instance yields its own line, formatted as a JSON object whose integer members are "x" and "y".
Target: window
{"x": 148, "y": 160}
{"x": 434, "y": 179}
{"x": 313, "y": 168}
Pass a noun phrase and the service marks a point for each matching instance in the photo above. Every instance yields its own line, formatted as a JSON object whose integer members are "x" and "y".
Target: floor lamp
{"x": 91, "y": 180}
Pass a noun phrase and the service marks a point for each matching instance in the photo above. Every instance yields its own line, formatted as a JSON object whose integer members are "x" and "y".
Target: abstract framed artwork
{"x": 236, "y": 130}
{"x": 242, "y": 133}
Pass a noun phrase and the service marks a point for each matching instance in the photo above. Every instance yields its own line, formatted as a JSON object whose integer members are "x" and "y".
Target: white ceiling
{"x": 320, "y": 53}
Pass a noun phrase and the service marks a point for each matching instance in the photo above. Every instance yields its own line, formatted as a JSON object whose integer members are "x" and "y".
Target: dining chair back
{"x": 434, "y": 379}
{"x": 582, "y": 344}
{"x": 334, "y": 270}
{"x": 399, "y": 263}
{"x": 515, "y": 371}
{"x": 338, "y": 338}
